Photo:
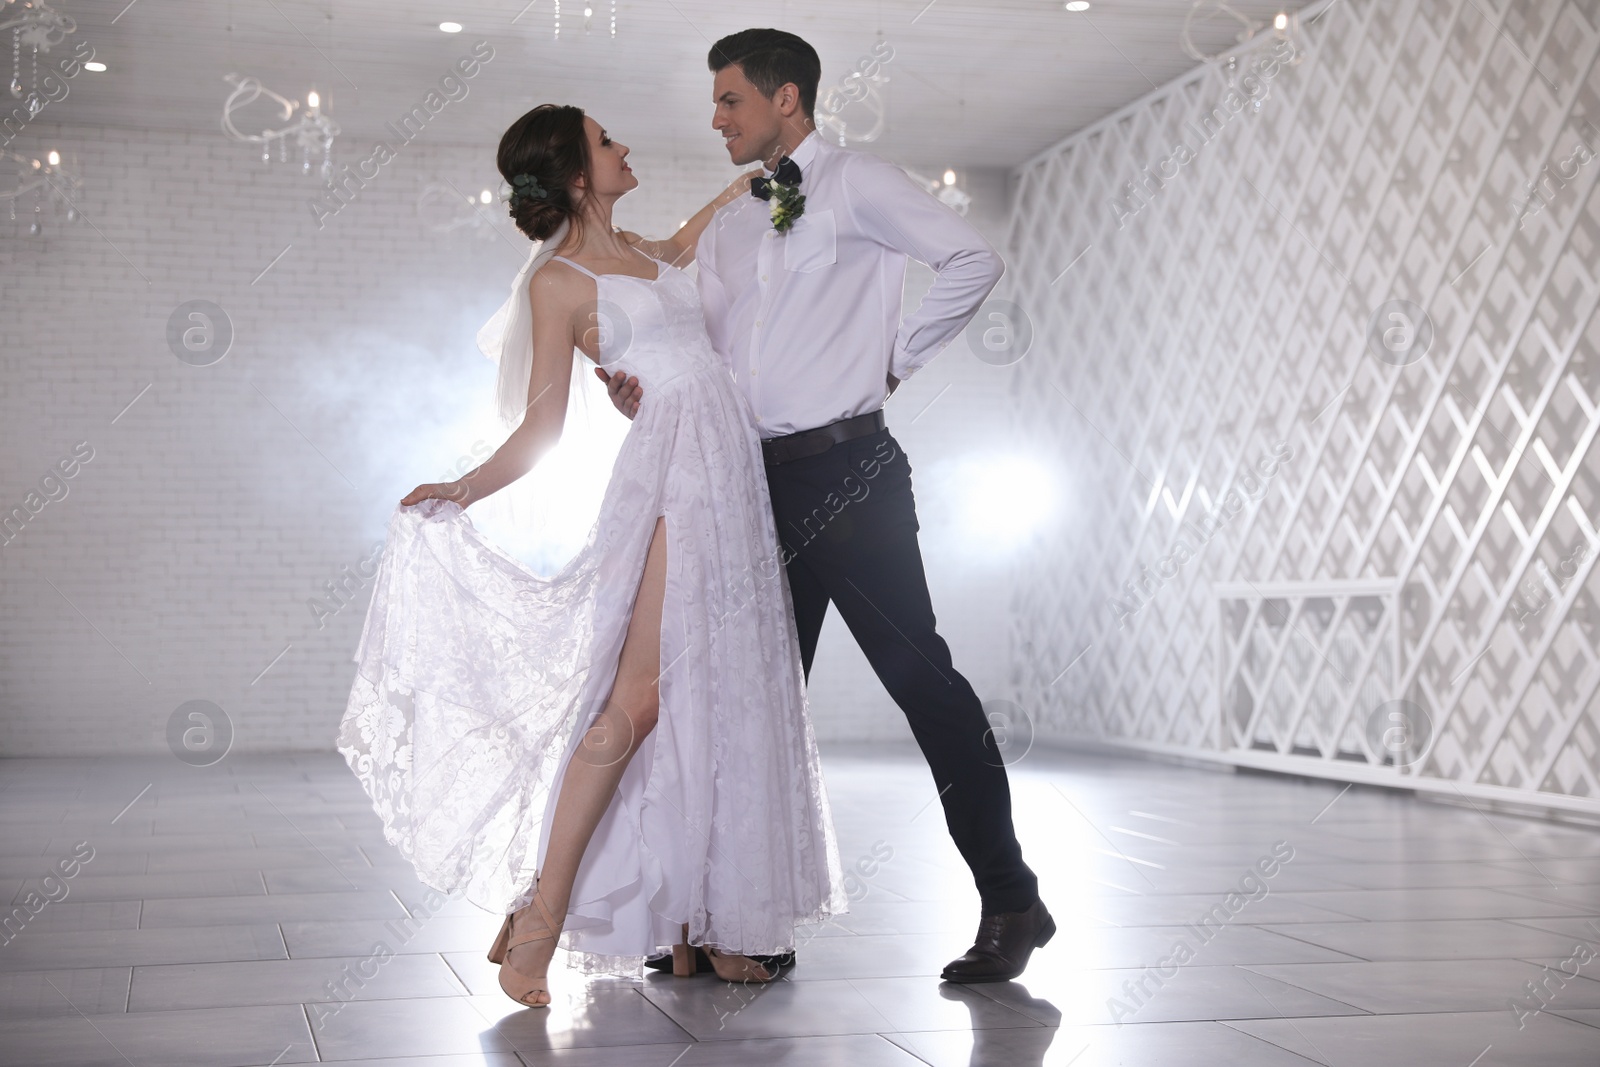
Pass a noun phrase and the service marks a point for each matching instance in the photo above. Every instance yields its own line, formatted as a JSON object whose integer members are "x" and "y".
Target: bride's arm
{"x": 678, "y": 249}
{"x": 555, "y": 301}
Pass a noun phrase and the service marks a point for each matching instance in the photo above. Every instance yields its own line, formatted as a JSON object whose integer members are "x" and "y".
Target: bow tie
{"x": 788, "y": 173}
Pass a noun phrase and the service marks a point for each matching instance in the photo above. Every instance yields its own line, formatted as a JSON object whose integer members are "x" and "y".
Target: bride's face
{"x": 608, "y": 162}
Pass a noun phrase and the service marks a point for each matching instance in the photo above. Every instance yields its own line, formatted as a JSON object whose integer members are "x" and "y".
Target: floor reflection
{"x": 1024, "y": 1049}
{"x": 1203, "y": 918}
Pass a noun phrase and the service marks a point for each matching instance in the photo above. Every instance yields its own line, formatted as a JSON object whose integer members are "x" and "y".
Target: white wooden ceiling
{"x": 971, "y": 84}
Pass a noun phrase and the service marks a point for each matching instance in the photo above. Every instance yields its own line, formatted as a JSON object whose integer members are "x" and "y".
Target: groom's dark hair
{"x": 771, "y": 59}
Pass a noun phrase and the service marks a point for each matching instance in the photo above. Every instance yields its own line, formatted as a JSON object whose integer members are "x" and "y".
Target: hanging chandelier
{"x": 588, "y": 18}
{"x": 442, "y": 208}
{"x": 312, "y": 131}
{"x": 1283, "y": 27}
{"x": 946, "y": 191}
{"x": 38, "y": 27}
{"x": 854, "y": 110}
{"x": 49, "y": 185}
{"x": 1241, "y": 65}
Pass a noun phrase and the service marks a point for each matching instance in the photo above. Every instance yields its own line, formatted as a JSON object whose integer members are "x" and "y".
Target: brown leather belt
{"x": 793, "y": 446}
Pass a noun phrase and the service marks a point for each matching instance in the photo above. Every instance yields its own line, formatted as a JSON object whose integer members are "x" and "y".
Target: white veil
{"x": 507, "y": 338}
{"x": 538, "y": 518}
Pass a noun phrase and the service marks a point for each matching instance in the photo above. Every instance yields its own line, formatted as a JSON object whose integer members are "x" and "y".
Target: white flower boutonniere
{"x": 782, "y": 191}
{"x": 788, "y": 204}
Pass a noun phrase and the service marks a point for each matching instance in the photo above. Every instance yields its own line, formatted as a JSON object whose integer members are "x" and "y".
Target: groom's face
{"x": 749, "y": 122}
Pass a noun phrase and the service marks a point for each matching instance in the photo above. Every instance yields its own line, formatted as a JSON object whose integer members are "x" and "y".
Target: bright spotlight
{"x": 1078, "y": 5}
{"x": 1002, "y": 500}
{"x": 449, "y": 27}
{"x": 1281, "y": 22}
{"x": 544, "y": 517}
{"x": 95, "y": 65}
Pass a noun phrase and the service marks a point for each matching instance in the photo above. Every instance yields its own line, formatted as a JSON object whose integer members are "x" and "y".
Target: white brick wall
{"x": 179, "y": 564}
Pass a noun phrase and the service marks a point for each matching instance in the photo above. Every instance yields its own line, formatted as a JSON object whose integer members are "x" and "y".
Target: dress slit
{"x": 477, "y": 679}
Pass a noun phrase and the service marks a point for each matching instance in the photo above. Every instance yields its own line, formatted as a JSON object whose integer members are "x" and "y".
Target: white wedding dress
{"x": 477, "y": 678}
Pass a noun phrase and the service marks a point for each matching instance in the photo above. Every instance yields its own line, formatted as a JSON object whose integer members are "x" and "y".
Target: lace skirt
{"x": 477, "y": 678}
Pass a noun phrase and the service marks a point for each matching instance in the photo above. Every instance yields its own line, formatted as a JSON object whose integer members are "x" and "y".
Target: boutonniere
{"x": 783, "y": 191}
{"x": 788, "y": 204}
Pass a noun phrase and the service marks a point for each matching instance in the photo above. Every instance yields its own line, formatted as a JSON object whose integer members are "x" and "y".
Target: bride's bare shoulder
{"x": 557, "y": 287}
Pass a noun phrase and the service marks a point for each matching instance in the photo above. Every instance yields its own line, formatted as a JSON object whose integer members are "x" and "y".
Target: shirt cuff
{"x": 903, "y": 364}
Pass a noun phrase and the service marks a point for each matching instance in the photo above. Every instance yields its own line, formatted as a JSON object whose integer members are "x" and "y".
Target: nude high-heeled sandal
{"x": 685, "y": 961}
{"x": 729, "y": 968}
{"x": 516, "y": 985}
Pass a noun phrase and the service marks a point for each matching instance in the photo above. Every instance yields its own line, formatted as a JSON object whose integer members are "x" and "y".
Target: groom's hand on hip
{"x": 625, "y": 391}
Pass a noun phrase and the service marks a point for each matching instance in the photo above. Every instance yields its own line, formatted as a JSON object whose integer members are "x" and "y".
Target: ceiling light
{"x": 1281, "y": 22}
{"x": 94, "y": 65}
{"x": 486, "y": 197}
{"x": 449, "y": 27}
{"x": 949, "y": 177}
{"x": 313, "y": 101}
{"x": 1077, "y": 5}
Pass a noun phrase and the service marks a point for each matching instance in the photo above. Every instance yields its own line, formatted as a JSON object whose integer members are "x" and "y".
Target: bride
{"x": 618, "y": 756}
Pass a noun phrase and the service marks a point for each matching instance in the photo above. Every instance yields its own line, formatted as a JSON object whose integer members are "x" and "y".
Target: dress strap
{"x": 578, "y": 266}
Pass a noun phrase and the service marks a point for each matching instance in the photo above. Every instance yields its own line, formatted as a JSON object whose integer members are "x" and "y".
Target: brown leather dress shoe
{"x": 1004, "y": 942}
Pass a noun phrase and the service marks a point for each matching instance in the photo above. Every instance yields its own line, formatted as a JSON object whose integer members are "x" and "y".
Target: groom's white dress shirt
{"x": 808, "y": 321}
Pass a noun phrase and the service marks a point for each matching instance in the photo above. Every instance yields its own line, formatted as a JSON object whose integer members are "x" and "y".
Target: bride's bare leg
{"x": 595, "y": 769}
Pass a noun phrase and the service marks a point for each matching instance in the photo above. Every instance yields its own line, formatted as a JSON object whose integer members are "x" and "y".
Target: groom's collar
{"x": 804, "y": 152}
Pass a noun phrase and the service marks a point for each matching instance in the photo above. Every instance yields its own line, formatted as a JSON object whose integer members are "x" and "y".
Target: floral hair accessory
{"x": 526, "y": 185}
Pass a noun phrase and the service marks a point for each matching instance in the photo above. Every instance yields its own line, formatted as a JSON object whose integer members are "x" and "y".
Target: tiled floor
{"x": 250, "y": 914}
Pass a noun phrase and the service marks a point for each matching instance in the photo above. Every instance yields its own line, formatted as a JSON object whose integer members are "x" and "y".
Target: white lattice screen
{"x": 1246, "y": 431}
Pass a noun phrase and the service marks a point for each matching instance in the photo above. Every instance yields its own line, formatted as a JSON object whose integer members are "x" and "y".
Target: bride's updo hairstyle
{"x": 548, "y": 145}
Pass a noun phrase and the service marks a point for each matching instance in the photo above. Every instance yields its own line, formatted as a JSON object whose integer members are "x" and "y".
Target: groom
{"x": 808, "y": 321}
